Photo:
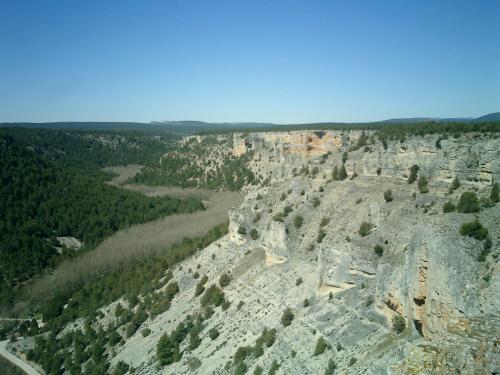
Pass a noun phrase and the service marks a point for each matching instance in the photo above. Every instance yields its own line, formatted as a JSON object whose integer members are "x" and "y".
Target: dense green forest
{"x": 207, "y": 163}
{"x": 89, "y": 151}
{"x": 42, "y": 200}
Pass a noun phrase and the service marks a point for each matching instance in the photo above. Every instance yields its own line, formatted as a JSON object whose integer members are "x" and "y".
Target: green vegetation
{"x": 287, "y": 317}
{"x": 398, "y": 323}
{"x": 191, "y": 165}
{"x": 242, "y": 230}
{"x": 321, "y": 235}
{"x": 200, "y": 287}
{"x": 423, "y": 185}
{"x": 213, "y": 333}
{"x": 413, "y": 173}
{"x": 388, "y": 195}
{"x": 212, "y": 296}
{"x": 298, "y": 221}
{"x": 298, "y": 281}
{"x": 331, "y": 367}
{"x": 468, "y": 203}
{"x": 316, "y": 202}
{"x": 324, "y": 222}
{"x": 365, "y": 229}
{"x": 448, "y": 207}
{"x": 379, "y": 250}
{"x": 306, "y": 303}
{"x": 41, "y": 201}
{"x": 254, "y": 234}
{"x": 474, "y": 229}
{"x": 339, "y": 174}
{"x": 494, "y": 195}
{"x": 274, "y": 367}
{"x": 224, "y": 280}
{"x": 321, "y": 346}
{"x": 455, "y": 184}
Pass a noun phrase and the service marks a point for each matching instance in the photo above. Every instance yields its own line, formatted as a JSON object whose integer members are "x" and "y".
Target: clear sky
{"x": 267, "y": 61}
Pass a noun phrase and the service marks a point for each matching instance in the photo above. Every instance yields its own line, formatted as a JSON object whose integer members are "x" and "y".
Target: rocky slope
{"x": 297, "y": 242}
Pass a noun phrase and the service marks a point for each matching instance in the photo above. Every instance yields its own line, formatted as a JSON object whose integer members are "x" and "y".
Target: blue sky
{"x": 267, "y": 61}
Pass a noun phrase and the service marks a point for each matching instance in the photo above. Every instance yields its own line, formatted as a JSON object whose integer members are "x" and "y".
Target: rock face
{"x": 427, "y": 272}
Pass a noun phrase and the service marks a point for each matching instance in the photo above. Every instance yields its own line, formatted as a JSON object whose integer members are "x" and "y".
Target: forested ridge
{"x": 41, "y": 200}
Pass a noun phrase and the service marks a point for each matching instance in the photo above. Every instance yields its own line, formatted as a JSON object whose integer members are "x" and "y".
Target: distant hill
{"x": 495, "y": 116}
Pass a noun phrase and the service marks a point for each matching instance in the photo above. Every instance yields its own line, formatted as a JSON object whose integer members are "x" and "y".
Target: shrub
{"x": 448, "y": 207}
{"x": 342, "y": 173}
{"x": 455, "y": 184}
{"x": 413, "y": 174}
{"x": 398, "y": 323}
{"x": 306, "y": 303}
{"x": 254, "y": 234}
{"x": 321, "y": 346}
{"x": 118, "y": 310}
{"x": 200, "y": 288}
{"x": 379, "y": 250}
{"x": 212, "y": 296}
{"x": 146, "y": 332}
{"x": 193, "y": 363}
{"x": 324, "y": 222}
{"x": 121, "y": 368}
{"x": 423, "y": 185}
{"x": 316, "y": 202}
{"x": 167, "y": 350}
{"x": 268, "y": 336}
{"x": 258, "y": 370}
{"x": 321, "y": 236}
{"x": 388, "y": 195}
{"x": 468, "y": 203}
{"x": 379, "y": 171}
{"x": 474, "y": 229}
{"x": 274, "y": 367}
{"x": 330, "y": 368}
{"x": 365, "y": 229}
{"x": 240, "y": 305}
{"x": 298, "y": 281}
{"x": 282, "y": 197}
{"x": 352, "y": 361}
{"x": 298, "y": 221}
{"x": 213, "y": 333}
{"x": 240, "y": 369}
{"x": 242, "y": 230}
{"x": 494, "y": 195}
{"x": 224, "y": 280}
{"x": 287, "y": 317}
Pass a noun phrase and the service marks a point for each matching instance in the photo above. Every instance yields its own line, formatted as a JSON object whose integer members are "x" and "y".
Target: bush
{"x": 494, "y": 195}
{"x": 379, "y": 250}
{"x": 388, "y": 196}
{"x": 298, "y": 281}
{"x": 254, "y": 234}
{"x": 321, "y": 346}
{"x": 242, "y": 230}
{"x": 474, "y": 229}
{"x": 448, "y": 207}
{"x": 413, "y": 174}
{"x": 330, "y": 368}
{"x": 121, "y": 368}
{"x": 213, "y": 333}
{"x": 306, "y": 303}
{"x": 200, "y": 288}
{"x": 298, "y": 221}
{"x": 240, "y": 369}
{"x": 423, "y": 185}
{"x": 282, "y": 197}
{"x": 365, "y": 229}
{"x": 258, "y": 371}
{"x": 316, "y": 202}
{"x": 468, "y": 203}
{"x": 324, "y": 222}
{"x": 224, "y": 280}
{"x": 455, "y": 184}
{"x": 379, "y": 171}
{"x": 287, "y": 317}
{"x": 145, "y": 332}
{"x": 321, "y": 235}
{"x": 398, "y": 323}
{"x": 212, "y": 296}
{"x": 274, "y": 367}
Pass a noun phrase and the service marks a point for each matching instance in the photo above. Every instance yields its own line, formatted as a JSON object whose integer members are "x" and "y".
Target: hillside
{"x": 351, "y": 253}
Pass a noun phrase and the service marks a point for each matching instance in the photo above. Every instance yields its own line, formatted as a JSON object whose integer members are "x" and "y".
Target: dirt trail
{"x": 16, "y": 361}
